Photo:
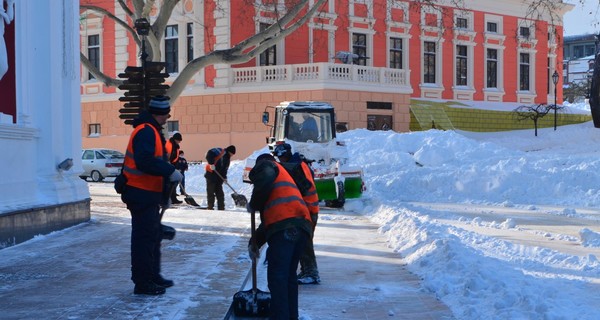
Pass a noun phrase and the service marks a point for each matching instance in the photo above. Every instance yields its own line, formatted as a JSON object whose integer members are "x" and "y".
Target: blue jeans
{"x": 283, "y": 254}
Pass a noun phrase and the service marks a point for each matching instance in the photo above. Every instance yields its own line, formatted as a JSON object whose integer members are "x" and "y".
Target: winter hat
{"x": 265, "y": 156}
{"x": 283, "y": 150}
{"x": 231, "y": 149}
{"x": 177, "y": 136}
{"x": 159, "y": 105}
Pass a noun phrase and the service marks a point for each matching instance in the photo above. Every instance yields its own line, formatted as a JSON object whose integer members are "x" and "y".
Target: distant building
{"x": 579, "y": 70}
{"x": 578, "y": 61}
{"x": 579, "y": 46}
{"x": 368, "y": 58}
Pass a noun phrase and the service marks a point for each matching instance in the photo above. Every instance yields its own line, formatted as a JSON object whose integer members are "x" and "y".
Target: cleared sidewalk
{"x": 83, "y": 272}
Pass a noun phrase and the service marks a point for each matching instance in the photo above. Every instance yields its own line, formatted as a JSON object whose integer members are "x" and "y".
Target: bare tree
{"x": 298, "y": 13}
{"x": 532, "y": 112}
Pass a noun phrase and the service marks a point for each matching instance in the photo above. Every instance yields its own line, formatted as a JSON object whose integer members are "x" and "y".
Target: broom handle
{"x": 253, "y": 239}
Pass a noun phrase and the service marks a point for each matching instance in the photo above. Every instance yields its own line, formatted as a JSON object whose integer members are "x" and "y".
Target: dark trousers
{"x": 308, "y": 260}
{"x": 145, "y": 242}
{"x": 182, "y": 184}
{"x": 215, "y": 190}
{"x": 283, "y": 254}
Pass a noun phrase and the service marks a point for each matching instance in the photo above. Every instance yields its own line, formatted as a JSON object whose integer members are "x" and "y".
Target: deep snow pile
{"x": 476, "y": 275}
{"x": 475, "y": 266}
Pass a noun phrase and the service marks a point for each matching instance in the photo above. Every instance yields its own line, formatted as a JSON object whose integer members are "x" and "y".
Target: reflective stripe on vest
{"x": 285, "y": 200}
{"x": 311, "y": 197}
{"x": 135, "y": 177}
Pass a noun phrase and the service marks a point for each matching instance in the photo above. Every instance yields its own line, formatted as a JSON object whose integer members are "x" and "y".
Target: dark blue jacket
{"x": 143, "y": 148}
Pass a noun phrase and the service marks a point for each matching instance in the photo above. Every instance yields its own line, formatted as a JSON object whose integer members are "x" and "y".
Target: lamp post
{"x": 555, "y": 81}
{"x": 142, "y": 27}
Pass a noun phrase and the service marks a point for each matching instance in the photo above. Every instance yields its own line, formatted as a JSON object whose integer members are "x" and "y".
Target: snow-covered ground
{"x": 497, "y": 225}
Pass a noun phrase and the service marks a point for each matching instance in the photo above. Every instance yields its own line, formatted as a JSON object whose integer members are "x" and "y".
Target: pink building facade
{"x": 368, "y": 58}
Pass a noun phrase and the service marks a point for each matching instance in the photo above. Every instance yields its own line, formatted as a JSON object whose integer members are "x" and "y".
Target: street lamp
{"x": 555, "y": 81}
{"x": 142, "y": 27}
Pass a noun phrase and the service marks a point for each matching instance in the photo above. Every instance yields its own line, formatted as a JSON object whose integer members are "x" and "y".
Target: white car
{"x": 101, "y": 163}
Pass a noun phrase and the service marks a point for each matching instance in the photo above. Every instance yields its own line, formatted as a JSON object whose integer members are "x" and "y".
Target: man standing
{"x": 216, "y": 174}
{"x": 182, "y": 166}
{"x": 148, "y": 173}
{"x": 172, "y": 147}
{"x": 303, "y": 175}
{"x": 285, "y": 226}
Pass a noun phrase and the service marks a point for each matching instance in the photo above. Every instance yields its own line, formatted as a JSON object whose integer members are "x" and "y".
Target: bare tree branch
{"x": 120, "y": 22}
{"x": 259, "y": 43}
{"x": 125, "y": 8}
{"x": 111, "y": 82}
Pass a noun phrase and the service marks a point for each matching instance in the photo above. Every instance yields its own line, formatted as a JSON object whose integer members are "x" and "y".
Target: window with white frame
{"x": 429, "y": 59}
{"x": 269, "y": 56}
{"x": 462, "y": 23}
{"x": 524, "y": 70}
{"x": 172, "y": 126}
{"x": 190, "y": 41}
{"x": 463, "y": 20}
{"x": 524, "y": 32}
{"x": 359, "y": 47}
{"x": 93, "y": 51}
{"x": 396, "y": 53}
{"x": 493, "y": 24}
{"x": 491, "y": 68}
{"x": 94, "y": 129}
{"x": 172, "y": 49}
{"x": 461, "y": 65}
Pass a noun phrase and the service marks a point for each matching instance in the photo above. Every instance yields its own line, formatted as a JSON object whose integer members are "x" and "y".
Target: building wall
{"x": 214, "y": 109}
{"x": 215, "y": 120}
{"x": 47, "y": 128}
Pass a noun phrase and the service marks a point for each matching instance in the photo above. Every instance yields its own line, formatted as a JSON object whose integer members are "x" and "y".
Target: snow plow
{"x": 308, "y": 126}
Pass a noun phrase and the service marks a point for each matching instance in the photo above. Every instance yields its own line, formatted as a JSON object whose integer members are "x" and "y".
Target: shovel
{"x": 253, "y": 302}
{"x": 188, "y": 199}
{"x": 168, "y": 232}
{"x": 239, "y": 199}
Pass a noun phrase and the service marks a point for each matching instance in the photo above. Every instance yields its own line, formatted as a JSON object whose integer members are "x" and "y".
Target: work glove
{"x": 176, "y": 176}
{"x": 253, "y": 251}
{"x": 212, "y": 167}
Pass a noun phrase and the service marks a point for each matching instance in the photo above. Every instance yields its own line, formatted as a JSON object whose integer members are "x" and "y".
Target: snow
{"x": 497, "y": 225}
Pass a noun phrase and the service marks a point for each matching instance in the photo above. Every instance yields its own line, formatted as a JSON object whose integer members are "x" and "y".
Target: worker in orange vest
{"x": 285, "y": 226}
{"x": 216, "y": 174}
{"x": 148, "y": 175}
{"x": 303, "y": 175}
{"x": 172, "y": 147}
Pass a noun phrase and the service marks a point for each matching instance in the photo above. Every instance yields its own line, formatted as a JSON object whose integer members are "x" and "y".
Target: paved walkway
{"x": 83, "y": 272}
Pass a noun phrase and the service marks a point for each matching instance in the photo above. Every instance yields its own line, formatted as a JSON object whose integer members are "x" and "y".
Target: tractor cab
{"x": 309, "y": 127}
{"x": 310, "y": 122}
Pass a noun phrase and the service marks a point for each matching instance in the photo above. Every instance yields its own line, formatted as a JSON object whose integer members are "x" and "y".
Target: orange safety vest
{"x": 135, "y": 177}
{"x": 311, "y": 197}
{"x": 217, "y": 158}
{"x": 169, "y": 148}
{"x": 285, "y": 200}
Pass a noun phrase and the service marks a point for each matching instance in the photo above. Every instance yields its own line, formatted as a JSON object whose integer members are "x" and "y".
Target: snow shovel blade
{"x": 252, "y": 303}
{"x": 189, "y": 200}
{"x": 239, "y": 199}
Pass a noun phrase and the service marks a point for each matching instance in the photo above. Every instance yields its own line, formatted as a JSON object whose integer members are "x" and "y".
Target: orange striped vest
{"x": 135, "y": 177}
{"x": 285, "y": 200}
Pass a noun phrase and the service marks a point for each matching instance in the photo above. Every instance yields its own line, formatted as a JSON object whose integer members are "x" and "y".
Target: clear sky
{"x": 583, "y": 19}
